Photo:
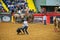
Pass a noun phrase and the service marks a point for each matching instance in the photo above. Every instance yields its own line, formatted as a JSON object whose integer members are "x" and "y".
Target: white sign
{"x": 6, "y": 18}
{"x": 38, "y": 19}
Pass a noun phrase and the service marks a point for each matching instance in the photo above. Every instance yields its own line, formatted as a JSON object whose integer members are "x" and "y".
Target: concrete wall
{"x": 53, "y": 2}
{"x": 38, "y": 3}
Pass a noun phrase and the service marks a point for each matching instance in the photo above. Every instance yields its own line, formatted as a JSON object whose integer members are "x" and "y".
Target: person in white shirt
{"x": 44, "y": 19}
{"x": 19, "y": 12}
{"x": 25, "y": 23}
{"x": 25, "y": 26}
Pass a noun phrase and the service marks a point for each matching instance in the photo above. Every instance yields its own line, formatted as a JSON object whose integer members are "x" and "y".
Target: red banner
{"x": 48, "y": 14}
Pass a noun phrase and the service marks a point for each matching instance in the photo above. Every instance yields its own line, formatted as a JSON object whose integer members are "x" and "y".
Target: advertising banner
{"x": 38, "y": 19}
{"x": 6, "y": 18}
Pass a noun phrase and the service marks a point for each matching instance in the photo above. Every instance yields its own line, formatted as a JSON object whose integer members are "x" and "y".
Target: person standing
{"x": 44, "y": 19}
{"x": 43, "y": 10}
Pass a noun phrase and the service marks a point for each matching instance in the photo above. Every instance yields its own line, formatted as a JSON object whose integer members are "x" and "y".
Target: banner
{"x": 38, "y": 19}
{"x": 6, "y": 18}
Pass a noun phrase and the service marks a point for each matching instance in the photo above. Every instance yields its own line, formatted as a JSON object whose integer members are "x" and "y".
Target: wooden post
{"x": 12, "y": 19}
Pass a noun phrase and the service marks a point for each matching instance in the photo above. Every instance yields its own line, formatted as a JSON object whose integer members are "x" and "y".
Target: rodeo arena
{"x": 29, "y": 19}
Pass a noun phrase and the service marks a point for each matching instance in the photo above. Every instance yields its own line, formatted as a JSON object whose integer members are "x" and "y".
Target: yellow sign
{"x": 31, "y": 5}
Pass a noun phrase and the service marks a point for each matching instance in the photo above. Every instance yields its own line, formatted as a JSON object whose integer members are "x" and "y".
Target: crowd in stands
{"x": 1, "y": 8}
{"x": 19, "y": 7}
{"x": 16, "y": 5}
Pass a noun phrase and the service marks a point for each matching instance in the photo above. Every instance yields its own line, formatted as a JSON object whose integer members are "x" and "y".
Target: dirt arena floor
{"x": 37, "y": 31}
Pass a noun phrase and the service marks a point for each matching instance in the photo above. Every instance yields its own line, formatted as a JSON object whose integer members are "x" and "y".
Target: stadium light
{"x": 59, "y": 6}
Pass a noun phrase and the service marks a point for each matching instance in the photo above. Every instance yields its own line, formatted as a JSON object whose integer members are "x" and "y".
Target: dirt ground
{"x": 37, "y": 31}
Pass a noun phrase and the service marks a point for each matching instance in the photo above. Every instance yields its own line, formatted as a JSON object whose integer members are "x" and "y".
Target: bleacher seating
{"x": 12, "y": 4}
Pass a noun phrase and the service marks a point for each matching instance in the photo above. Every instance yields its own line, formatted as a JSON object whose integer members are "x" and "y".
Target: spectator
{"x": 43, "y": 10}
